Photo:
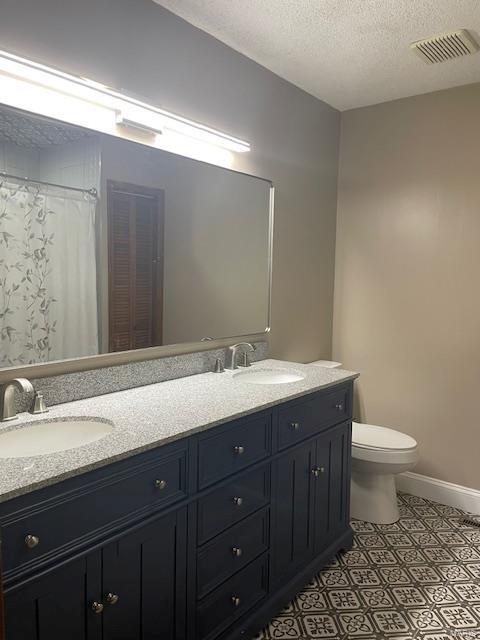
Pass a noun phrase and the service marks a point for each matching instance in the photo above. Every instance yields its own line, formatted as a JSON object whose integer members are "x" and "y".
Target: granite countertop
{"x": 150, "y": 416}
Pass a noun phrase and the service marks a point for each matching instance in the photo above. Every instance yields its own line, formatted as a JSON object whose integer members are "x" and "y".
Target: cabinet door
{"x": 56, "y": 606}
{"x": 332, "y": 485}
{"x": 144, "y": 579}
{"x": 293, "y": 506}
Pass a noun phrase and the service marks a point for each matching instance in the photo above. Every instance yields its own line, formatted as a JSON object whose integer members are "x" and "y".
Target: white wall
{"x": 74, "y": 164}
{"x": 19, "y": 161}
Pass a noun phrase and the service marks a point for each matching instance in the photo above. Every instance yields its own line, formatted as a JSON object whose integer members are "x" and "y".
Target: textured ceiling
{"x": 36, "y": 133}
{"x": 349, "y": 53}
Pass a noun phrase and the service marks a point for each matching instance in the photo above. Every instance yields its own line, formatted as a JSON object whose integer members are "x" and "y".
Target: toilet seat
{"x": 373, "y": 443}
{"x": 371, "y": 436}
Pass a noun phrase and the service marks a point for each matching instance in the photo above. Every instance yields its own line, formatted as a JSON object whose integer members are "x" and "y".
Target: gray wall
{"x": 137, "y": 46}
{"x": 407, "y": 309}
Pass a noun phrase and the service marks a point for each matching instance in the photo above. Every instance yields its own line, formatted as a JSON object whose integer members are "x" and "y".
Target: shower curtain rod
{"x": 92, "y": 192}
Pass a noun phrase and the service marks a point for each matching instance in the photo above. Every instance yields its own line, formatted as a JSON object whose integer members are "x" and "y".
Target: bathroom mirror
{"x": 107, "y": 245}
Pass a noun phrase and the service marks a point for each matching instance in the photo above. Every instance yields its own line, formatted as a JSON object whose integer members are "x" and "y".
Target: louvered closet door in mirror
{"x": 135, "y": 239}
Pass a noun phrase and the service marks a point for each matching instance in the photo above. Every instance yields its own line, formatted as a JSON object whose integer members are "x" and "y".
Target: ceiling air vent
{"x": 445, "y": 46}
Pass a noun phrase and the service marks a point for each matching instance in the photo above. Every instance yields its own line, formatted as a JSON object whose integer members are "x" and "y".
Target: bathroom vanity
{"x": 204, "y": 537}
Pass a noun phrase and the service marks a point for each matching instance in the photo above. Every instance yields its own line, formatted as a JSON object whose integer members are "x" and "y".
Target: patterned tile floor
{"x": 418, "y": 578}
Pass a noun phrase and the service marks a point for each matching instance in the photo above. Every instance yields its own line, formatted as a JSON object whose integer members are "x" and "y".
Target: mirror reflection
{"x": 107, "y": 245}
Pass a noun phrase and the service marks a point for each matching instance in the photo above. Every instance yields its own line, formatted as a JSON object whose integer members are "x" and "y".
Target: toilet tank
{"x": 328, "y": 364}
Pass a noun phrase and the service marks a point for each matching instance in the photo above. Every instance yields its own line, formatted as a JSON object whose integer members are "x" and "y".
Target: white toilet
{"x": 378, "y": 455}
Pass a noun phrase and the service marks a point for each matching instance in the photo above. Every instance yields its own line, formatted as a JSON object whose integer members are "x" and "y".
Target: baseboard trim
{"x": 448, "y": 493}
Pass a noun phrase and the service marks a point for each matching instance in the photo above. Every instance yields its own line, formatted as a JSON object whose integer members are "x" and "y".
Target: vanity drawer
{"x": 231, "y": 551}
{"x": 71, "y": 519}
{"x": 304, "y": 419}
{"x": 232, "y": 502}
{"x": 232, "y": 448}
{"x": 232, "y": 599}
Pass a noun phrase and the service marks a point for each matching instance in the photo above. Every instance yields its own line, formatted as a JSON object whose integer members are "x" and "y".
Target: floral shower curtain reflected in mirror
{"x": 48, "y": 280}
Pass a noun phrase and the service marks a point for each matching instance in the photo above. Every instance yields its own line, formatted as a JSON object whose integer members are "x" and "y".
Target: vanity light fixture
{"x": 154, "y": 120}
{"x": 37, "y": 88}
{"x": 140, "y": 118}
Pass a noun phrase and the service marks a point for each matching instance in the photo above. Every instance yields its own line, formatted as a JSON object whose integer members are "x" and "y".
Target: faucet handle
{"x": 245, "y": 360}
{"x": 218, "y": 366}
{"x": 38, "y": 405}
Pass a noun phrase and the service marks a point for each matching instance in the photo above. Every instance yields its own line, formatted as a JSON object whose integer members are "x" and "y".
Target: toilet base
{"x": 374, "y": 498}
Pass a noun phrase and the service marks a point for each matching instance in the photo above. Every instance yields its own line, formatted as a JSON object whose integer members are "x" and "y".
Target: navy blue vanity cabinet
{"x": 144, "y": 582}
{"x": 305, "y": 418}
{"x": 206, "y": 538}
{"x": 293, "y": 511}
{"x": 69, "y": 517}
{"x": 238, "y": 595}
{"x": 232, "y": 550}
{"x": 311, "y": 502}
{"x": 226, "y": 450}
{"x": 332, "y": 485}
{"x": 232, "y": 501}
{"x": 116, "y": 530}
{"x": 55, "y": 606}
{"x": 132, "y": 588}
{"x": 311, "y": 480}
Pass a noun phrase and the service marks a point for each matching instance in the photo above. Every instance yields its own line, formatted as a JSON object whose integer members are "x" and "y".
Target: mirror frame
{"x": 71, "y": 365}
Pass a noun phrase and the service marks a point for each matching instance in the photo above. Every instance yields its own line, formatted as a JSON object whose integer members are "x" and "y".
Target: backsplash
{"x": 96, "y": 382}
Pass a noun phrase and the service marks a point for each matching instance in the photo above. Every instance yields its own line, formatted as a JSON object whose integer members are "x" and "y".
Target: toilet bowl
{"x": 378, "y": 455}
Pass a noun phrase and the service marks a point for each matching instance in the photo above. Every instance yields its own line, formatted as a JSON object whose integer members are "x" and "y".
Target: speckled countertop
{"x": 149, "y": 416}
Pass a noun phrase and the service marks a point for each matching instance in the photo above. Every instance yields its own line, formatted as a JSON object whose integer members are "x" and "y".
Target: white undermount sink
{"x": 44, "y": 437}
{"x": 269, "y": 376}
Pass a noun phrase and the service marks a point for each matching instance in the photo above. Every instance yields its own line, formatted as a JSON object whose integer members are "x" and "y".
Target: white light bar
{"x": 35, "y": 87}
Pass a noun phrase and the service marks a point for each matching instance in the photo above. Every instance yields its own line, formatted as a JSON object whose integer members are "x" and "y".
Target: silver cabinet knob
{"x": 239, "y": 450}
{"x": 235, "y": 601}
{"x": 295, "y": 426}
{"x": 238, "y": 501}
{"x": 32, "y": 541}
{"x": 237, "y": 551}
{"x": 112, "y": 598}
{"x": 97, "y": 607}
{"x": 317, "y": 471}
{"x": 160, "y": 484}
{"x": 339, "y": 406}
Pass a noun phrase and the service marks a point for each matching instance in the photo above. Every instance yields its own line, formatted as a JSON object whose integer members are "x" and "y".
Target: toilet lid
{"x": 370, "y": 436}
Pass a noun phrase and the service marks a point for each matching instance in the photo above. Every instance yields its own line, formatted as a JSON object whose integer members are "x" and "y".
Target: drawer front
{"x": 60, "y": 524}
{"x": 232, "y": 449}
{"x": 232, "y": 502}
{"x": 231, "y": 551}
{"x": 234, "y": 598}
{"x": 304, "y": 419}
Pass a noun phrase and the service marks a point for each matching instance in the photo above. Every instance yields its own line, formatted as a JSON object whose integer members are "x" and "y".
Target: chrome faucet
{"x": 7, "y": 397}
{"x": 232, "y": 354}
